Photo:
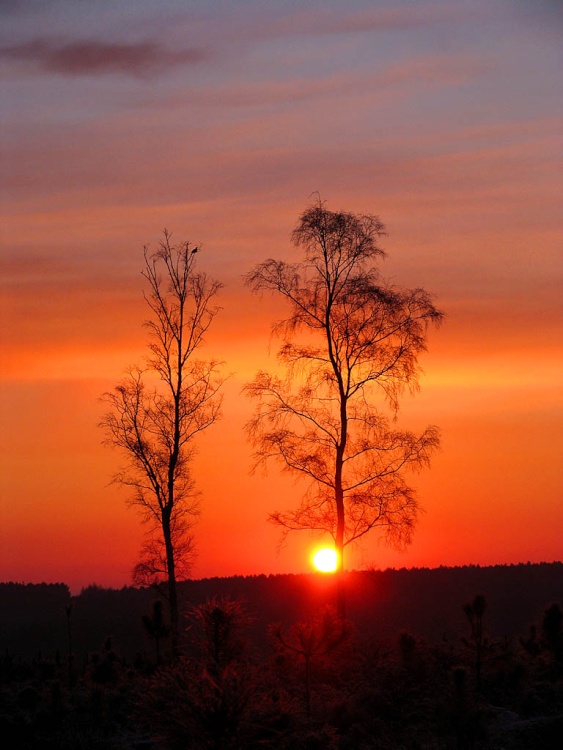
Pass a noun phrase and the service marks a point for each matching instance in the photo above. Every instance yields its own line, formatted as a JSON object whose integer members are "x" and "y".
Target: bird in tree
{"x": 350, "y": 345}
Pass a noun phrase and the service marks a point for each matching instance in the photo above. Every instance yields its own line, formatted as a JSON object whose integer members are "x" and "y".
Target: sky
{"x": 222, "y": 121}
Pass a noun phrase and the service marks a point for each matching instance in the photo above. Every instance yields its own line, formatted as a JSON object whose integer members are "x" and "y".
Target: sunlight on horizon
{"x": 325, "y": 560}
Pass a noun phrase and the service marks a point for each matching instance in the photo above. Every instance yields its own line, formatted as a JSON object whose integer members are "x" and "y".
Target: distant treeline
{"x": 35, "y": 618}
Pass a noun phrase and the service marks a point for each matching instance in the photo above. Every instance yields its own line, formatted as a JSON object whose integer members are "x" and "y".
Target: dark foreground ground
{"x": 428, "y": 659}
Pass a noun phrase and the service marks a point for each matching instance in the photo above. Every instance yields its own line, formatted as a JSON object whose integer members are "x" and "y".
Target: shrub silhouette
{"x": 219, "y": 624}
{"x": 475, "y": 612}
{"x": 202, "y": 702}
{"x": 312, "y": 641}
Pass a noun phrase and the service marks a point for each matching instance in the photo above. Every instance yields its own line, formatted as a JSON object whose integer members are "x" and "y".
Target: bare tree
{"x": 349, "y": 338}
{"x": 156, "y": 413}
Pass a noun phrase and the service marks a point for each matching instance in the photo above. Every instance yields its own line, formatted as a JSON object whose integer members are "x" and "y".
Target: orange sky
{"x": 441, "y": 117}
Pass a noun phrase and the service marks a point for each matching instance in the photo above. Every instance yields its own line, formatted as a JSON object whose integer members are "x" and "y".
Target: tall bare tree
{"x": 350, "y": 345}
{"x": 156, "y": 413}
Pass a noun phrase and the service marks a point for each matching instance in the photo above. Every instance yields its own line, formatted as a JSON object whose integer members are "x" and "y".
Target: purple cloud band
{"x": 90, "y": 57}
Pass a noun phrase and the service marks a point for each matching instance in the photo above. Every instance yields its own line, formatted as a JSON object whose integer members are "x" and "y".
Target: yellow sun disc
{"x": 325, "y": 560}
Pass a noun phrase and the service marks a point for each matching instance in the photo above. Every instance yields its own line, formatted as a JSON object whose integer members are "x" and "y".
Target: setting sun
{"x": 325, "y": 560}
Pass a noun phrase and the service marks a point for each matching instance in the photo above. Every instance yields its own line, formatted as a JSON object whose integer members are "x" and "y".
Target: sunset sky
{"x": 219, "y": 120}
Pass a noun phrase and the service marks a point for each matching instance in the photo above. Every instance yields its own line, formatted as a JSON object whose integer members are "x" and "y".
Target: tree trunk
{"x": 307, "y": 686}
{"x": 339, "y": 546}
{"x": 172, "y": 589}
{"x": 340, "y": 586}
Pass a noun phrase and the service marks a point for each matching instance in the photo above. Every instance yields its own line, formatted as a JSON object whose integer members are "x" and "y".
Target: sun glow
{"x": 325, "y": 560}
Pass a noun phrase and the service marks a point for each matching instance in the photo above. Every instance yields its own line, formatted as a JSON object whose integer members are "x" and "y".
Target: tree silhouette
{"x": 156, "y": 627}
{"x": 311, "y": 641}
{"x": 220, "y": 622}
{"x": 70, "y": 659}
{"x": 552, "y": 631}
{"x": 152, "y": 566}
{"x": 349, "y": 338}
{"x": 204, "y": 702}
{"x": 157, "y": 412}
{"x": 475, "y": 612}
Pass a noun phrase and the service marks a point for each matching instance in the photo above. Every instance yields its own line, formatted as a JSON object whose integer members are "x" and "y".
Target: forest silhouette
{"x": 464, "y": 657}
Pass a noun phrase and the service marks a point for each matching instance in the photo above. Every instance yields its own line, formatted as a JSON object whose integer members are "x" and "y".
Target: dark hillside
{"x": 381, "y": 604}
{"x": 32, "y": 617}
{"x": 429, "y": 602}
{"x": 425, "y": 601}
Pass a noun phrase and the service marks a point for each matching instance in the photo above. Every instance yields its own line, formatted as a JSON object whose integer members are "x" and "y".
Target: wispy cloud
{"x": 434, "y": 71}
{"x": 334, "y": 21}
{"x": 92, "y": 57}
{"x": 331, "y": 19}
